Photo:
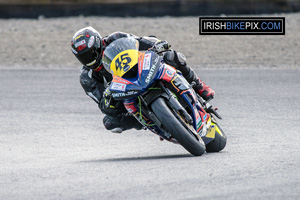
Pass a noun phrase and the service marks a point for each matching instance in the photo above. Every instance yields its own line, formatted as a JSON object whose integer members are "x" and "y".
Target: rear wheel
{"x": 172, "y": 123}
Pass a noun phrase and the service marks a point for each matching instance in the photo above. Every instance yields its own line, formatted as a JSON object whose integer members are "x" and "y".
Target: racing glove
{"x": 109, "y": 106}
{"x": 160, "y": 46}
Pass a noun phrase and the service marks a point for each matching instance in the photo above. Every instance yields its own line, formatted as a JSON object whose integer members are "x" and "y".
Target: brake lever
{"x": 213, "y": 111}
{"x": 209, "y": 107}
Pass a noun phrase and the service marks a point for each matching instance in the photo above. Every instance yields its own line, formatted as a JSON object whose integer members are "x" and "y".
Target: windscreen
{"x": 120, "y": 56}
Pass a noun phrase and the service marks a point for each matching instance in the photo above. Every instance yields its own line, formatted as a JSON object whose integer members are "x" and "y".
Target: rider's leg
{"x": 178, "y": 61}
{"x": 120, "y": 123}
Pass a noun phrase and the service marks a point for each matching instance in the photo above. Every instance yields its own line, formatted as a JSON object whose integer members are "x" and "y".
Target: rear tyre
{"x": 174, "y": 126}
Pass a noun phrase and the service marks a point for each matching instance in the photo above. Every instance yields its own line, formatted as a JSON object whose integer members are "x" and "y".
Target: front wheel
{"x": 219, "y": 141}
{"x": 171, "y": 122}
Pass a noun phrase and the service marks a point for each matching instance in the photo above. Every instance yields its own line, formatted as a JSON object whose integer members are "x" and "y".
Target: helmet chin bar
{"x": 91, "y": 63}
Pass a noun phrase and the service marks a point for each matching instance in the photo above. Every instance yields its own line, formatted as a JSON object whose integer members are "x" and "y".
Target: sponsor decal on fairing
{"x": 147, "y": 61}
{"x": 148, "y": 78}
{"x": 169, "y": 73}
{"x": 118, "y": 86}
{"x": 123, "y": 94}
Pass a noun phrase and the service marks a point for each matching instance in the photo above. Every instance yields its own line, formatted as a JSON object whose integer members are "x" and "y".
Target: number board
{"x": 123, "y": 62}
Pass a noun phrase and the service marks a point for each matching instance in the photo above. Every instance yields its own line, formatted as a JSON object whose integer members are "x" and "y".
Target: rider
{"x": 88, "y": 46}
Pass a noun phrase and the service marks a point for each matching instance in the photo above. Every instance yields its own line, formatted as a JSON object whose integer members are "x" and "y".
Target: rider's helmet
{"x": 87, "y": 46}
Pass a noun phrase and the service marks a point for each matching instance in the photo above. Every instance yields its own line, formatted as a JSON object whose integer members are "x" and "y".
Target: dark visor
{"x": 86, "y": 57}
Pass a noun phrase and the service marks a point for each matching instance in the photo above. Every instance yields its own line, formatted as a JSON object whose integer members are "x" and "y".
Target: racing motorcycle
{"x": 161, "y": 99}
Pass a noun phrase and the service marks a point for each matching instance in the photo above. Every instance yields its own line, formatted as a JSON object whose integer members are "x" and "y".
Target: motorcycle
{"x": 161, "y": 99}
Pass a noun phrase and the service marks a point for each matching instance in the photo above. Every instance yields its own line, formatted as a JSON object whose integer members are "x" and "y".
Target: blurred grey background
{"x": 149, "y": 8}
{"x": 52, "y": 141}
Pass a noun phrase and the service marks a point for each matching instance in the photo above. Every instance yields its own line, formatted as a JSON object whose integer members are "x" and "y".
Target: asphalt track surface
{"x": 53, "y": 144}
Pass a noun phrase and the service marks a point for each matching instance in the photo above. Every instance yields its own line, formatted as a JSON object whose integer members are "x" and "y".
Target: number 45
{"x": 122, "y": 62}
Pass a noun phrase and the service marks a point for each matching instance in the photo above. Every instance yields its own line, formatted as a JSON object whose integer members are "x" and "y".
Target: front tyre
{"x": 219, "y": 142}
{"x": 177, "y": 128}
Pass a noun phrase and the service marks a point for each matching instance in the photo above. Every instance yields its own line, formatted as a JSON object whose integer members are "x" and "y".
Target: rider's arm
{"x": 117, "y": 35}
{"x": 145, "y": 42}
{"x": 92, "y": 87}
{"x": 154, "y": 44}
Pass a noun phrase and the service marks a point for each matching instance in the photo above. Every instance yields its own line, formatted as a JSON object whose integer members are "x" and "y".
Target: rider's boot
{"x": 204, "y": 90}
{"x": 120, "y": 123}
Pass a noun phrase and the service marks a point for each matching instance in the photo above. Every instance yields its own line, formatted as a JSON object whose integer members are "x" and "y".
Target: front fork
{"x": 201, "y": 120}
{"x": 138, "y": 108}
